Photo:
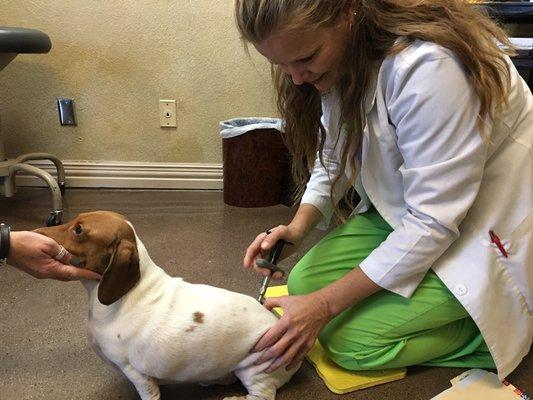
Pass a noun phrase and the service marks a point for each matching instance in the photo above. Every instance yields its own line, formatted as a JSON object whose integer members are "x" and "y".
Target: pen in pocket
{"x": 496, "y": 240}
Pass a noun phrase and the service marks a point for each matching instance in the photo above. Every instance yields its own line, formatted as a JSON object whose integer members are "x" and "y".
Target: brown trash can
{"x": 256, "y": 163}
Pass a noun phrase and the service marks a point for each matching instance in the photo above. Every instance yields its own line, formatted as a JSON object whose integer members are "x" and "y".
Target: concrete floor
{"x": 43, "y": 349}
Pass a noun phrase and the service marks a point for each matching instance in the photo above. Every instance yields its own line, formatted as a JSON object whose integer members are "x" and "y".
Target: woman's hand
{"x": 306, "y": 217}
{"x": 289, "y": 340}
{"x": 264, "y": 242}
{"x": 35, "y": 254}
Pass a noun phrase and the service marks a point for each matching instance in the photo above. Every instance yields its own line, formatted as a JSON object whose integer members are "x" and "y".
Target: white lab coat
{"x": 426, "y": 169}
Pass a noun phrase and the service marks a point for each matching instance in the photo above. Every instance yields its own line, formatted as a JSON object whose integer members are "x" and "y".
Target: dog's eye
{"x": 78, "y": 230}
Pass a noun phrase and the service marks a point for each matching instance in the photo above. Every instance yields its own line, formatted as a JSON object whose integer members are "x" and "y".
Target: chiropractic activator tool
{"x": 270, "y": 264}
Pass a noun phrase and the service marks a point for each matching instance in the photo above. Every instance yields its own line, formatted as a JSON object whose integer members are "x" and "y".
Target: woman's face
{"x": 312, "y": 57}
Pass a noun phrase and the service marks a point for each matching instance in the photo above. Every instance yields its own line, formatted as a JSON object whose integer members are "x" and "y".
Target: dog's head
{"x": 103, "y": 242}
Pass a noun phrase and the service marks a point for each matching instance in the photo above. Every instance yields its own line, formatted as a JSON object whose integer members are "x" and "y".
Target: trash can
{"x": 256, "y": 163}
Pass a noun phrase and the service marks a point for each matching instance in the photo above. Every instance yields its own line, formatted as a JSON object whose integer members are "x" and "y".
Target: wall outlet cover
{"x": 167, "y": 113}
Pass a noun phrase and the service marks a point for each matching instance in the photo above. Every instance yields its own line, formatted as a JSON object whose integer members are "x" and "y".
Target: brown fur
{"x": 198, "y": 317}
{"x": 105, "y": 243}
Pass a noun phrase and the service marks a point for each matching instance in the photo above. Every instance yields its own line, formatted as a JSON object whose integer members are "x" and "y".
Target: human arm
{"x": 316, "y": 206}
{"x": 305, "y": 316}
{"x": 34, "y": 254}
{"x": 432, "y": 110}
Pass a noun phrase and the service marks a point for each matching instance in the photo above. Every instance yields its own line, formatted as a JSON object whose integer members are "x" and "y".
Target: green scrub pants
{"x": 387, "y": 330}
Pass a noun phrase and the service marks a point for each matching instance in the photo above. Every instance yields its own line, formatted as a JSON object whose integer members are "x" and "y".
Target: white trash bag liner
{"x": 238, "y": 126}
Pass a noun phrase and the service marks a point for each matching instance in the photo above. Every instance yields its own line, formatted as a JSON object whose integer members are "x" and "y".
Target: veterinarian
{"x": 39, "y": 256}
{"x": 414, "y": 105}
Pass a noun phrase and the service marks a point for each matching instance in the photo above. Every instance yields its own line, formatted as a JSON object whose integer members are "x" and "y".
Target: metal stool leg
{"x": 57, "y": 214}
{"x": 46, "y": 156}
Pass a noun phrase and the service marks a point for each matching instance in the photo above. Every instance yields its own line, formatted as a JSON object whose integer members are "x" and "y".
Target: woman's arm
{"x": 352, "y": 288}
{"x": 305, "y": 316}
{"x": 441, "y": 156}
{"x": 306, "y": 218}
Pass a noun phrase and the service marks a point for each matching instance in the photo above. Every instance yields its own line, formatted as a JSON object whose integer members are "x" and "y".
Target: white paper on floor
{"x": 478, "y": 384}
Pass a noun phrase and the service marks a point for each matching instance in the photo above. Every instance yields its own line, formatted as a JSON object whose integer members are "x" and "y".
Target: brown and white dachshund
{"x": 154, "y": 327}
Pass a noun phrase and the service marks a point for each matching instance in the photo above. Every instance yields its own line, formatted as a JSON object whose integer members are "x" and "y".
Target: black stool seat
{"x": 22, "y": 40}
{"x": 14, "y": 41}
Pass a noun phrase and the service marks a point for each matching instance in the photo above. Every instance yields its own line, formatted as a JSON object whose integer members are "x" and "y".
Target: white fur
{"x": 150, "y": 334}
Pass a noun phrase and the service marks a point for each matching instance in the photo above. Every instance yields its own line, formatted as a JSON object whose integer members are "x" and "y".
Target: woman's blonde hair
{"x": 454, "y": 24}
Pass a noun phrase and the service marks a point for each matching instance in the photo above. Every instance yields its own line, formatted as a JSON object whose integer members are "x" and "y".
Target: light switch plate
{"x": 167, "y": 113}
{"x": 65, "y": 107}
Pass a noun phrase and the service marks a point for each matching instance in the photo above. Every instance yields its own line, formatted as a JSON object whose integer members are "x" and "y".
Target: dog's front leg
{"x": 146, "y": 386}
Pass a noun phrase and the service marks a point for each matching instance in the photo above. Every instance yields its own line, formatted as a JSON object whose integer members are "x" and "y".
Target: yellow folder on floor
{"x": 336, "y": 378}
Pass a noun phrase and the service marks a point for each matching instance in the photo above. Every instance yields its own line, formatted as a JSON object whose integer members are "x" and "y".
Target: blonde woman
{"x": 414, "y": 104}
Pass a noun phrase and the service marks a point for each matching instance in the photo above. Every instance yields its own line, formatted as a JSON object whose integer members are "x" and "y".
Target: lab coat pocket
{"x": 518, "y": 246}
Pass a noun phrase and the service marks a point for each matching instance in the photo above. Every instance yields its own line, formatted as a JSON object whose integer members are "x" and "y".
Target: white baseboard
{"x": 131, "y": 175}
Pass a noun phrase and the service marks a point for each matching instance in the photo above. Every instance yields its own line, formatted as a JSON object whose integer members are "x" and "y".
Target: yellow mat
{"x": 336, "y": 378}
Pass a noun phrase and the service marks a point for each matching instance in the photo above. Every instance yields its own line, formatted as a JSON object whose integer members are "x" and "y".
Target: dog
{"x": 156, "y": 328}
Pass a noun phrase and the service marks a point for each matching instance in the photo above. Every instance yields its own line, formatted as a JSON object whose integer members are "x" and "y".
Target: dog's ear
{"x": 121, "y": 274}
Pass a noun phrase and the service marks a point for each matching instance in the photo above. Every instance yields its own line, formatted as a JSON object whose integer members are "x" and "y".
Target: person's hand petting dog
{"x": 43, "y": 258}
{"x": 293, "y": 336}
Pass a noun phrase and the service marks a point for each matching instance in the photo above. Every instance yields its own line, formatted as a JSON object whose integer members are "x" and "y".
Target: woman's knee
{"x": 355, "y": 345}
{"x": 298, "y": 282}
{"x": 361, "y": 356}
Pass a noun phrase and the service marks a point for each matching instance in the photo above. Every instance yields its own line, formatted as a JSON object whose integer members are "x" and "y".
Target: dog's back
{"x": 173, "y": 330}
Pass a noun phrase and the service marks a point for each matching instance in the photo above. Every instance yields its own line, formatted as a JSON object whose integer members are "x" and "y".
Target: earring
{"x": 351, "y": 21}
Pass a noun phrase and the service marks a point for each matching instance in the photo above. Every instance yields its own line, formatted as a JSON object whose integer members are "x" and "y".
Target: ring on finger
{"x": 62, "y": 253}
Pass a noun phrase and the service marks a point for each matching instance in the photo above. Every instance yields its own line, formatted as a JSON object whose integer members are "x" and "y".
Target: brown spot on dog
{"x": 191, "y": 328}
{"x": 118, "y": 336}
{"x": 198, "y": 317}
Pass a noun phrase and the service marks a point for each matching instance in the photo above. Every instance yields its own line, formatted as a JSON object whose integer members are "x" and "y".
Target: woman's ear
{"x": 121, "y": 274}
{"x": 349, "y": 12}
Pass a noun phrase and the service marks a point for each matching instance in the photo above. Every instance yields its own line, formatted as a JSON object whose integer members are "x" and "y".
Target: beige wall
{"x": 116, "y": 59}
